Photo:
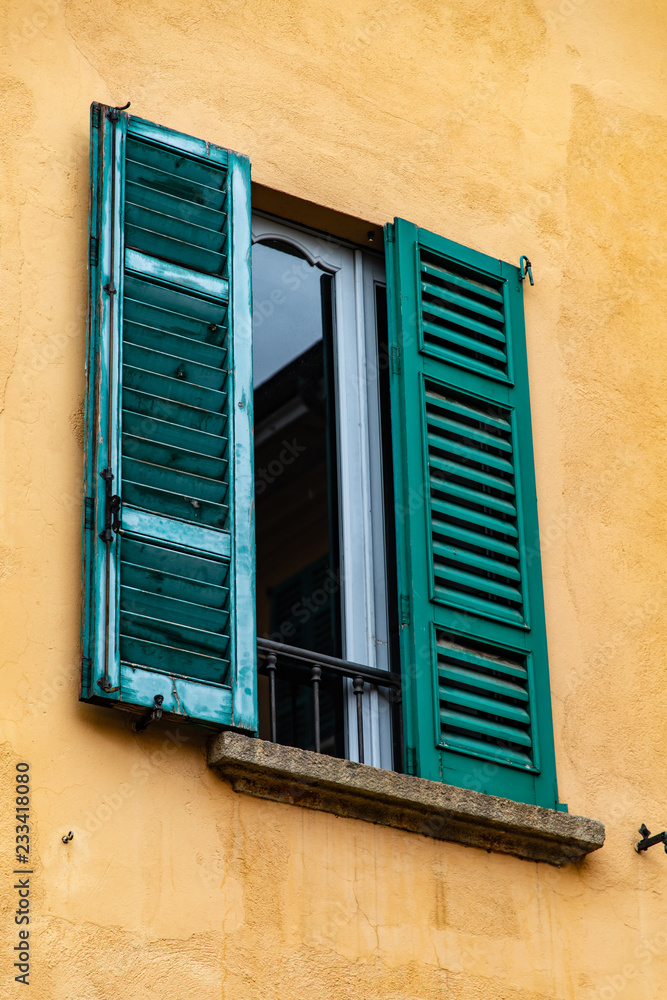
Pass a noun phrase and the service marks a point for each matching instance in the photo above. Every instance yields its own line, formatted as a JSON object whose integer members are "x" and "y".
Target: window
{"x": 169, "y": 527}
{"x": 321, "y": 575}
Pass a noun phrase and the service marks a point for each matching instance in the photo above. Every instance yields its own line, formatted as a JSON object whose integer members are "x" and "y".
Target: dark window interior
{"x": 298, "y": 589}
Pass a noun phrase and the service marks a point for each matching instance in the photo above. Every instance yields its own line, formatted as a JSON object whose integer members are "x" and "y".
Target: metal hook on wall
{"x": 113, "y": 114}
{"x": 648, "y": 841}
{"x": 525, "y": 269}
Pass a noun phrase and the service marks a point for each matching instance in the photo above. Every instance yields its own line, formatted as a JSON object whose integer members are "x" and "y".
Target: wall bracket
{"x": 649, "y": 841}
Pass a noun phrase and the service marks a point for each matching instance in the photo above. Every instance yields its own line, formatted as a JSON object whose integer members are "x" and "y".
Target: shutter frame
{"x": 220, "y": 700}
{"x": 491, "y": 663}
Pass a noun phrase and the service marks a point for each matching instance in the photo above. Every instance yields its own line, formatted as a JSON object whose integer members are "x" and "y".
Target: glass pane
{"x": 295, "y": 486}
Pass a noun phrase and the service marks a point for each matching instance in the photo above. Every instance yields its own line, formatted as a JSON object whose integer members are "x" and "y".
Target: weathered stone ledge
{"x": 444, "y": 812}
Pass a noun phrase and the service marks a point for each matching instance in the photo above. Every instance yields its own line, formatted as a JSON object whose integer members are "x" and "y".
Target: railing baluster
{"x": 358, "y": 689}
{"x": 271, "y": 661}
{"x": 315, "y": 675}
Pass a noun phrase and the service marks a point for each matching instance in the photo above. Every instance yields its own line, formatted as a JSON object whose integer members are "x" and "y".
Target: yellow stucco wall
{"x": 529, "y": 126}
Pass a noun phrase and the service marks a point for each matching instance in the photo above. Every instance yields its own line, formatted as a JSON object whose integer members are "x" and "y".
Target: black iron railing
{"x": 274, "y": 654}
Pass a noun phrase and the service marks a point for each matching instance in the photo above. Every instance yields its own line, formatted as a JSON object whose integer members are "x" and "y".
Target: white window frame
{"x": 364, "y": 593}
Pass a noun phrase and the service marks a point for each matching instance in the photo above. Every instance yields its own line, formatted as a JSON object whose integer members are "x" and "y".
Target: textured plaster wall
{"x": 516, "y": 127}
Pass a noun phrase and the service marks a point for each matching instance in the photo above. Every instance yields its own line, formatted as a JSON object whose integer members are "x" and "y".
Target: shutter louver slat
{"x": 469, "y": 452}
{"x": 169, "y": 504}
{"x": 448, "y": 297}
{"x": 170, "y": 609}
{"x": 186, "y": 484}
{"x": 156, "y": 168}
{"x": 449, "y": 579}
{"x": 173, "y": 310}
{"x": 483, "y": 682}
{"x": 188, "y": 212}
{"x": 136, "y": 651}
{"x": 480, "y": 748}
{"x": 180, "y": 169}
{"x": 490, "y": 706}
{"x": 174, "y": 389}
{"x": 168, "y": 632}
{"x": 468, "y": 557}
{"x": 468, "y": 723}
{"x": 167, "y": 571}
{"x": 185, "y": 460}
{"x": 449, "y": 276}
{"x": 455, "y": 531}
{"x": 449, "y": 487}
{"x": 179, "y": 435}
{"x": 448, "y": 341}
{"x": 158, "y": 221}
{"x": 162, "y": 363}
{"x": 449, "y": 404}
{"x": 180, "y": 347}
{"x": 453, "y": 427}
{"x": 181, "y": 414}
{"x": 473, "y": 474}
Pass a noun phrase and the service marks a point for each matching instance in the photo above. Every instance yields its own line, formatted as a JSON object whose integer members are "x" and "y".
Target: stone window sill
{"x": 444, "y": 812}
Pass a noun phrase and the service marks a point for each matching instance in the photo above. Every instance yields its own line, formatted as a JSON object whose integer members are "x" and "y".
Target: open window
{"x": 390, "y": 478}
{"x": 320, "y": 526}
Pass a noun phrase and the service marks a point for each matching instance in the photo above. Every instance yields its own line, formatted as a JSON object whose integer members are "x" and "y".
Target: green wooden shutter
{"x": 473, "y": 637}
{"x": 168, "y": 602}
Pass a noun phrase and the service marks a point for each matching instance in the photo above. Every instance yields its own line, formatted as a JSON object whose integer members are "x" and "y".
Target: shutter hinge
{"x": 396, "y": 360}
{"x": 89, "y": 512}
{"x": 95, "y": 116}
{"x": 152, "y": 716}
{"x": 390, "y": 233}
{"x": 111, "y": 508}
{"x": 105, "y": 684}
{"x": 411, "y": 760}
{"x": 405, "y": 609}
{"x": 93, "y": 251}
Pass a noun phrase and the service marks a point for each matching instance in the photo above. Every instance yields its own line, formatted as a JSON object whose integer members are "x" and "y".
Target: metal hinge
{"x": 152, "y": 716}
{"x": 105, "y": 684}
{"x": 93, "y": 251}
{"x": 111, "y": 508}
{"x": 113, "y": 114}
{"x": 95, "y": 117}
{"x": 411, "y": 760}
{"x": 396, "y": 360}
{"x": 390, "y": 233}
{"x": 405, "y": 609}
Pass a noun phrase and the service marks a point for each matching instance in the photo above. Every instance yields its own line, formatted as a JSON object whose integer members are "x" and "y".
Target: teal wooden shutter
{"x": 472, "y": 630}
{"x": 168, "y": 602}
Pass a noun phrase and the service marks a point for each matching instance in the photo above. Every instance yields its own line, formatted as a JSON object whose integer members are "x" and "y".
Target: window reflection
{"x": 295, "y": 484}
